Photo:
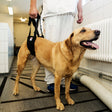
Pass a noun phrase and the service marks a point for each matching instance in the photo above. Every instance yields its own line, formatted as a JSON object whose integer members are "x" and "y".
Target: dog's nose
{"x": 97, "y": 32}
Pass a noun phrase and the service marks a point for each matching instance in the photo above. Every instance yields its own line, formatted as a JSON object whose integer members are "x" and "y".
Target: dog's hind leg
{"x": 67, "y": 88}
{"x": 20, "y": 68}
{"x": 16, "y": 87}
{"x": 21, "y": 62}
{"x": 36, "y": 66}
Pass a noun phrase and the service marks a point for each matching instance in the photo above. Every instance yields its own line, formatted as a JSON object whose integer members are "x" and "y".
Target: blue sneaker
{"x": 50, "y": 87}
{"x": 73, "y": 87}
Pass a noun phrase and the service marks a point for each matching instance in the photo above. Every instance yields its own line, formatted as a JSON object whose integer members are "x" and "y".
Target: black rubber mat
{"x": 30, "y": 101}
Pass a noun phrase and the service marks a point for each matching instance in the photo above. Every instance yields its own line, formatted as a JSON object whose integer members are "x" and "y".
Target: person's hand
{"x": 80, "y": 18}
{"x": 33, "y": 12}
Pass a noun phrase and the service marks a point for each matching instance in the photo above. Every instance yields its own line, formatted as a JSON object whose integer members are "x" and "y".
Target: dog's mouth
{"x": 89, "y": 44}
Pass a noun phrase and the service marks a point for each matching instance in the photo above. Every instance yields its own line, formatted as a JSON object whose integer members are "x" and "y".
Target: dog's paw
{"x": 70, "y": 101}
{"x": 15, "y": 92}
{"x": 36, "y": 88}
{"x": 60, "y": 106}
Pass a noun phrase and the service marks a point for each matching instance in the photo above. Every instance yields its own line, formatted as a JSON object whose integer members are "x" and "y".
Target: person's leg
{"x": 57, "y": 28}
{"x": 66, "y": 28}
{"x": 49, "y": 77}
{"x": 50, "y": 34}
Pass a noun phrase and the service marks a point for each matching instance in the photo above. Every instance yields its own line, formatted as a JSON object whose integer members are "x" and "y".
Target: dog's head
{"x": 84, "y": 37}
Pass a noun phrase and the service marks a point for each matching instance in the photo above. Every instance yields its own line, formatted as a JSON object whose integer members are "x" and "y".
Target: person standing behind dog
{"x": 58, "y": 18}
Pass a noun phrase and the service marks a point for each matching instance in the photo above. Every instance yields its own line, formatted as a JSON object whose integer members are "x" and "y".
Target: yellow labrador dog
{"x": 61, "y": 58}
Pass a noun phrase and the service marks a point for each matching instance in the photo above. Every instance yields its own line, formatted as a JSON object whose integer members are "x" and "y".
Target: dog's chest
{"x": 73, "y": 65}
{"x": 71, "y": 69}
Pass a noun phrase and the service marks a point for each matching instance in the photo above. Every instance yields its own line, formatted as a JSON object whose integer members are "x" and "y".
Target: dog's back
{"x": 43, "y": 51}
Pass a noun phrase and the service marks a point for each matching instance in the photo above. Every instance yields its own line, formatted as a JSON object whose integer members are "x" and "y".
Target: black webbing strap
{"x": 35, "y": 24}
{"x": 31, "y": 39}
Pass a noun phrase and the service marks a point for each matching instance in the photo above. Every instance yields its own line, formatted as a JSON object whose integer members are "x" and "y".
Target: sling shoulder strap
{"x": 31, "y": 39}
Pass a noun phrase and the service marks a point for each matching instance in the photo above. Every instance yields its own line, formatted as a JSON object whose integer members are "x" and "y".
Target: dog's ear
{"x": 71, "y": 35}
{"x": 69, "y": 40}
{"x": 68, "y": 43}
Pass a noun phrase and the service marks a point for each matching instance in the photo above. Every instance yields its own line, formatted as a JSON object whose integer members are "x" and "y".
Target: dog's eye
{"x": 82, "y": 31}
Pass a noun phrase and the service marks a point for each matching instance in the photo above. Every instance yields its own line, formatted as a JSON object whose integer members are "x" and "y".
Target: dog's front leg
{"x": 67, "y": 88}
{"x": 59, "y": 104}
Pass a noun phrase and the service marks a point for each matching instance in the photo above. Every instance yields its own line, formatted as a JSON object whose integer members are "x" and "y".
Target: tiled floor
{"x": 29, "y": 101}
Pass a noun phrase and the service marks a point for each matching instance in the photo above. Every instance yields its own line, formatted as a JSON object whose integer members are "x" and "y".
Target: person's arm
{"x": 80, "y": 13}
{"x": 33, "y": 10}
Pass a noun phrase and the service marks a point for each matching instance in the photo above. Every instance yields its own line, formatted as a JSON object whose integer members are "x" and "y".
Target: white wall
{"x": 6, "y": 48}
{"x": 5, "y": 18}
{"x": 21, "y": 31}
{"x": 6, "y": 42}
{"x": 93, "y": 11}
